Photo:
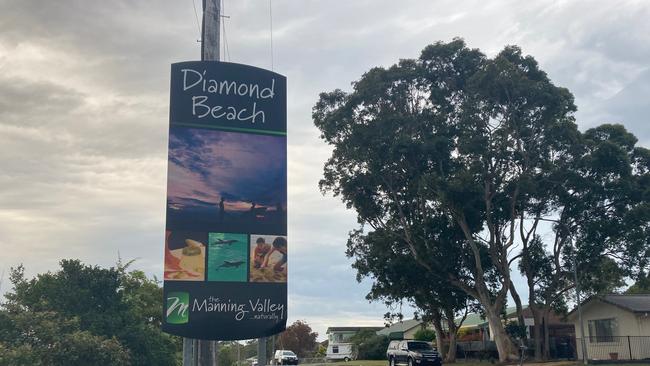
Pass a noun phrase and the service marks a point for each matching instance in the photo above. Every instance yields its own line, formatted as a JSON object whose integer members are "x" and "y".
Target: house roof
{"x": 477, "y": 320}
{"x": 472, "y": 320}
{"x": 636, "y": 303}
{"x": 350, "y": 329}
{"x": 403, "y": 326}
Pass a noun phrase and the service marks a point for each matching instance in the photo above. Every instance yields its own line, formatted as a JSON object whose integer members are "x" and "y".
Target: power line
{"x": 271, "y": 29}
{"x": 226, "y": 49}
{"x": 196, "y": 15}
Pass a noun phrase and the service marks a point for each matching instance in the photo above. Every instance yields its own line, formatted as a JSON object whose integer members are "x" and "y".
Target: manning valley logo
{"x": 178, "y": 308}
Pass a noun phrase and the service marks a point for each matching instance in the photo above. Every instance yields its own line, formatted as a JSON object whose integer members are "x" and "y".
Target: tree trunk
{"x": 520, "y": 308}
{"x": 437, "y": 328}
{"x": 537, "y": 333}
{"x": 453, "y": 332}
{"x": 501, "y": 338}
{"x": 547, "y": 340}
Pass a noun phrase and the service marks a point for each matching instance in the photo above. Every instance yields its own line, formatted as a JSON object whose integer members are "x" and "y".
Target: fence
{"x": 598, "y": 348}
{"x": 615, "y": 348}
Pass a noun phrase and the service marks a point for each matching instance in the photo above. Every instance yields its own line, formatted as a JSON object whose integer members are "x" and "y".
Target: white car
{"x": 285, "y": 357}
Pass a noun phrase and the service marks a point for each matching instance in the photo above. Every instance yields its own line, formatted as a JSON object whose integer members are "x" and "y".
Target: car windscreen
{"x": 419, "y": 346}
{"x": 288, "y": 353}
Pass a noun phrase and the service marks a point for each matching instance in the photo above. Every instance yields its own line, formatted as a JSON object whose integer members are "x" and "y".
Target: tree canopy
{"x": 457, "y": 158}
{"x": 299, "y": 338}
{"x": 83, "y": 315}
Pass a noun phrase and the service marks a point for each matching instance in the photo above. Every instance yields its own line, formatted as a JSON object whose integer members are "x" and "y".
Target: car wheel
{"x": 391, "y": 361}
{"x": 410, "y": 362}
{"x": 346, "y": 359}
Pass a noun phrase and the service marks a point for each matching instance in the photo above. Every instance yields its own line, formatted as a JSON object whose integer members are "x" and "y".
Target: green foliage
{"x": 322, "y": 351}
{"x": 425, "y": 334}
{"x": 452, "y": 159}
{"x": 515, "y": 330}
{"x": 83, "y": 315}
{"x": 641, "y": 286}
{"x": 227, "y": 355}
{"x": 369, "y": 346}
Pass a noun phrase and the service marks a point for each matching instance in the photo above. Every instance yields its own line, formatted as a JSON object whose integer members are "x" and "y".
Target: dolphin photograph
{"x": 230, "y": 264}
{"x": 227, "y": 257}
{"x": 225, "y": 242}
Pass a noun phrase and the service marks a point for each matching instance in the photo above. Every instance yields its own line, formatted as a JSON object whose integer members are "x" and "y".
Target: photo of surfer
{"x": 220, "y": 181}
{"x": 268, "y": 258}
{"x": 185, "y": 256}
{"x": 227, "y": 257}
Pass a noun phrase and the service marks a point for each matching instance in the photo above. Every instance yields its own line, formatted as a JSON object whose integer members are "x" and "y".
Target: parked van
{"x": 340, "y": 351}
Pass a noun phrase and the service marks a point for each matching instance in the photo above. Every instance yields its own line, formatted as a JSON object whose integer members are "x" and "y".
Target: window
{"x": 603, "y": 330}
{"x": 419, "y": 346}
{"x": 335, "y": 349}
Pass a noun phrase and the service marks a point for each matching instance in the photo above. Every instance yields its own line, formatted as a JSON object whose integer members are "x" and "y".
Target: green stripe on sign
{"x": 234, "y": 129}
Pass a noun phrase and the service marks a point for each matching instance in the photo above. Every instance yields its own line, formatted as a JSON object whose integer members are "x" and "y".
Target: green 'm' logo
{"x": 178, "y": 304}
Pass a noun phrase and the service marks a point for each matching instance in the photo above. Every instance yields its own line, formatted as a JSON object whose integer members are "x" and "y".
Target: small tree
{"x": 82, "y": 315}
{"x": 368, "y": 345}
{"x": 425, "y": 334}
{"x": 299, "y": 338}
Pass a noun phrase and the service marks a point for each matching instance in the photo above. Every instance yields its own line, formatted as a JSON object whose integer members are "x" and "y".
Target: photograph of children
{"x": 227, "y": 257}
{"x": 221, "y": 180}
{"x": 185, "y": 256}
{"x": 268, "y": 258}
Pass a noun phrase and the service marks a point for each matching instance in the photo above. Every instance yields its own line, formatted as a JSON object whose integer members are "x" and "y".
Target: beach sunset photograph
{"x": 223, "y": 179}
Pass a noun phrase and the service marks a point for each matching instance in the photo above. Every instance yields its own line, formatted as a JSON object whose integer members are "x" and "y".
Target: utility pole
{"x": 197, "y": 352}
{"x": 210, "y": 31}
{"x": 261, "y": 352}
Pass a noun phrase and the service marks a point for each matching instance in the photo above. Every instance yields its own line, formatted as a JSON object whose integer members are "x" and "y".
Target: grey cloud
{"x": 25, "y": 103}
{"x": 83, "y": 111}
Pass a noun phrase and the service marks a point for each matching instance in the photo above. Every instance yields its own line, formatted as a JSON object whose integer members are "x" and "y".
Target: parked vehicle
{"x": 340, "y": 351}
{"x": 285, "y": 357}
{"x": 412, "y": 353}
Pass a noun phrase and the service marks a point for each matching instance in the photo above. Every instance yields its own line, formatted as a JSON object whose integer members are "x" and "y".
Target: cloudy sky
{"x": 84, "y": 90}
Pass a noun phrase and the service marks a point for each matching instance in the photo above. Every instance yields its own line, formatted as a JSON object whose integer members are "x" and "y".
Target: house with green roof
{"x": 405, "y": 329}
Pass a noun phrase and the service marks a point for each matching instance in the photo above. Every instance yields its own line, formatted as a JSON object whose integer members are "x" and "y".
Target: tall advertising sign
{"x": 226, "y": 233}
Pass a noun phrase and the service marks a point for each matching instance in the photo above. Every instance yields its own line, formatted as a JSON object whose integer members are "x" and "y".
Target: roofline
{"x": 419, "y": 324}
{"x": 602, "y": 298}
{"x": 352, "y": 329}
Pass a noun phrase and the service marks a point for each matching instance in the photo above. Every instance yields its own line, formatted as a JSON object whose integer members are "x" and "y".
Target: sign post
{"x": 226, "y": 231}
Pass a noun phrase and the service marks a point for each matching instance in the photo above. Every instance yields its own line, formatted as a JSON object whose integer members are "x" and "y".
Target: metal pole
{"x": 188, "y": 352}
{"x": 204, "y": 352}
{"x": 273, "y": 348}
{"x": 261, "y": 352}
{"x": 582, "y": 326}
{"x": 629, "y": 347}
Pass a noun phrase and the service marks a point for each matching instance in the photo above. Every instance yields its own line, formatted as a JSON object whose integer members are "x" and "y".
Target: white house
{"x": 339, "y": 346}
{"x": 616, "y": 326}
